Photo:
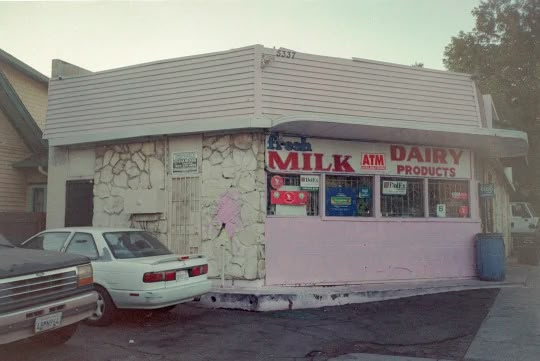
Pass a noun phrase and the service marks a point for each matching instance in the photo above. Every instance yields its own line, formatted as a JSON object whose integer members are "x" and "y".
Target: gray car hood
{"x": 18, "y": 261}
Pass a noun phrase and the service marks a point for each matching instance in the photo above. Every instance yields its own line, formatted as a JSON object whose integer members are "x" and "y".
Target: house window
{"x": 37, "y": 198}
{"x": 402, "y": 197}
{"x": 350, "y": 196}
{"x": 448, "y": 198}
{"x": 285, "y": 197}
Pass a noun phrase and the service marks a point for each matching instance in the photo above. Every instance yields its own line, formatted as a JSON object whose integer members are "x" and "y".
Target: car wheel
{"x": 105, "y": 309}
{"x": 56, "y": 337}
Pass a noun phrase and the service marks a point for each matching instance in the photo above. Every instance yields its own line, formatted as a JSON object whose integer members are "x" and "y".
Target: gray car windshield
{"x": 134, "y": 244}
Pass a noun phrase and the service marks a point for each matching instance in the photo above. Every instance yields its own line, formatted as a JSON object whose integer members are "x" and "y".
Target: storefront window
{"x": 292, "y": 194}
{"x": 402, "y": 197}
{"x": 448, "y": 198}
{"x": 349, "y": 196}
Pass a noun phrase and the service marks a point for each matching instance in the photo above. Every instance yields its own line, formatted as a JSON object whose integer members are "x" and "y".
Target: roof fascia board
{"x": 20, "y": 117}
{"x": 21, "y": 66}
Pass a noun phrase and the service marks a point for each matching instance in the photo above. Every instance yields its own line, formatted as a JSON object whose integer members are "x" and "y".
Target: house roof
{"x": 22, "y": 67}
{"x": 15, "y": 110}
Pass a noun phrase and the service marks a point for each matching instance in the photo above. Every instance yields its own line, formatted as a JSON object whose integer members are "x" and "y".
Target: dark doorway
{"x": 79, "y": 203}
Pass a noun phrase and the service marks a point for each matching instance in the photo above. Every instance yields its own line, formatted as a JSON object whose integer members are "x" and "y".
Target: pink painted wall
{"x": 308, "y": 250}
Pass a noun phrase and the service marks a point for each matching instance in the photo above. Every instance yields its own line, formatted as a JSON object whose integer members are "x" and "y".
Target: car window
{"x": 519, "y": 210}
{"x": 50, "y": 241}
{"x": 83, "y": 244}
{"x": 134, "y": 244}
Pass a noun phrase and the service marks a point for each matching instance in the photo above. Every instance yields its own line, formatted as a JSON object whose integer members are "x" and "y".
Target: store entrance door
{"x": 79, "y": 203}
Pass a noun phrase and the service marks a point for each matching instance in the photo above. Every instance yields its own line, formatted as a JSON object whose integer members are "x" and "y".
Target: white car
{"x": 132, "y": 269}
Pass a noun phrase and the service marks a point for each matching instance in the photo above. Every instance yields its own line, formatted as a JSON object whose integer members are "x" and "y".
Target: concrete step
{"x": 275, "y": 298}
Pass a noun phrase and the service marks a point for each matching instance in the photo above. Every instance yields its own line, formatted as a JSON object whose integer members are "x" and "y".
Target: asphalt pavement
{"x": 440, "y": 327}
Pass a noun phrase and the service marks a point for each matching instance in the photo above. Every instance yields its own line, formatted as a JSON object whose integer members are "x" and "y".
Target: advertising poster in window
{"x": 290, "y": 201}
{"x": 394, "y": 188}
{"x": 309, "y": 182}
{"x": 184, "y": 163}
{"x": 341, "y": 202}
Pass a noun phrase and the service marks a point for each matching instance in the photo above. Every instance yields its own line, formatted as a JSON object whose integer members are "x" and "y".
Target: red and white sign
{"x": 291, "y": 198}
{"x": 276, "y": 182}
{"x": 463, "y": 211}
{"x": 290, "y": 154}
{"x": 460, "y": 196}
{"x": 375, "y": 161}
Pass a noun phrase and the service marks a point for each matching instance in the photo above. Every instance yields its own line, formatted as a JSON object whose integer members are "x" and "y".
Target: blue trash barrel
{"x": 490, "y": 257}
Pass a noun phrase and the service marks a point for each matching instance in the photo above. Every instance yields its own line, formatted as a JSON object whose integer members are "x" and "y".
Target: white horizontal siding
{"x": 310, "y": 84}
{"x": 211, "y": 86}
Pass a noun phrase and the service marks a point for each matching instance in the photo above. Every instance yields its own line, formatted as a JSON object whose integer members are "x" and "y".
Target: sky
{"x": 106, "y": 35}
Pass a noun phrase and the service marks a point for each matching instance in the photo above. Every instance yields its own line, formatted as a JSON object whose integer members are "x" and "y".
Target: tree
{"x": 503, "y": 53}
{"x": 418, "y": 65}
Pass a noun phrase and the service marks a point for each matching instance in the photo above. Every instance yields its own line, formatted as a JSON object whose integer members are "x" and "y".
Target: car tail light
{"x": 170, "y": 276}
{"x": 199, "y": 270}
{"x": 153, "y": 277}
{"x": 85, "y": 275}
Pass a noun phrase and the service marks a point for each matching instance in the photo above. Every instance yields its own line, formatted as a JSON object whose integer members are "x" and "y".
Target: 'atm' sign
{"x": 373, "y": 161}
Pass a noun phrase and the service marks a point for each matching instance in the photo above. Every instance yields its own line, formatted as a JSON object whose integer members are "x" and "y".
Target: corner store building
{"x": 188, "y": 148}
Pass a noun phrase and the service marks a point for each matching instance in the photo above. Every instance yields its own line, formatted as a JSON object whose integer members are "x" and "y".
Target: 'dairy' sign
{"x": 288, "y": 154}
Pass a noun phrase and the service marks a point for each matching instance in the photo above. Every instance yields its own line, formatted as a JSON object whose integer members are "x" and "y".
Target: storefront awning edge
{"x": 493, "y": 143}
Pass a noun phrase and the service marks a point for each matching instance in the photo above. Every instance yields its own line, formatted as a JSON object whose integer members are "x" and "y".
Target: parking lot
{"x": 440, "y": 325}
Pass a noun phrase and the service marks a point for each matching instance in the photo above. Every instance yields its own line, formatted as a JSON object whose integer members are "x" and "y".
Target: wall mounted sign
{"x": 441, "y": 210}
{"x": 487, "y": 190}
{"x": 290, "y": 198}
{"x": 293, "y": 154}
{"x": 309, "y": 182}
{"x": 374, "y": 161}
{"x": 394, "y": 188}
{"x": 341, "y": 201}
{"x": 276, "y": 182}
{"x": 184, "y": 163}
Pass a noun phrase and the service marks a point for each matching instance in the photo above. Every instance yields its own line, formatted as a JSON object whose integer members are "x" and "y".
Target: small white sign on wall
{"x": 184, "y": 163}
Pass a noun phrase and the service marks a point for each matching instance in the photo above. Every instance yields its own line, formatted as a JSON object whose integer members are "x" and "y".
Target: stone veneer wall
{"x": 234, "y": 205}
{"x": 119, "y": 168}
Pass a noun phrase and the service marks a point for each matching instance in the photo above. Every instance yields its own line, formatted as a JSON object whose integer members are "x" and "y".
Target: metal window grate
{"x": 448, "y": 192}
{"x": 364, "y": 206}
{"x": 409, "y": 205}
{"x": 186, "y": 215}
{"x": 312, "y": 207}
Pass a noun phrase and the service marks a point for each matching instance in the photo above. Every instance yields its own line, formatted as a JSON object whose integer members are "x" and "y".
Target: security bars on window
{"x": 312, "y": 207}
{"x": 365, "y": 206}
{"x": 448, "y": 192}
{"x": 409, "y": 205}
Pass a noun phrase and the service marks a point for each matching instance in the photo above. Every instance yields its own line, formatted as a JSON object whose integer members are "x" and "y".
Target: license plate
{"x": 182, "y": 275}
{"x": 48, "y": 322}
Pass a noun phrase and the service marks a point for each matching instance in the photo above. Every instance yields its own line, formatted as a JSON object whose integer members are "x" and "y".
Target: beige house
{"x": 23, "y": 152}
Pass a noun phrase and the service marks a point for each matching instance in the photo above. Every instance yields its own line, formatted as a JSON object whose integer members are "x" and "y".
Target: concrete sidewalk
{"x": 511, "y": 331}
{"x": 275, "y": 298}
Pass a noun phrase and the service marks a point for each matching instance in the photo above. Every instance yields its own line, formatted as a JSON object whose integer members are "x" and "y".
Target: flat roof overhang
{"x": 489, "y": 142}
